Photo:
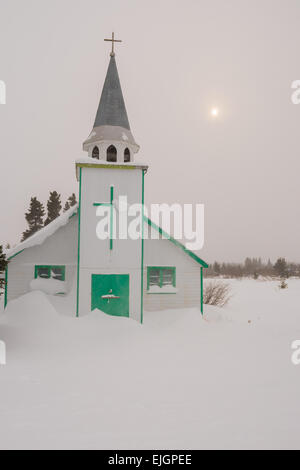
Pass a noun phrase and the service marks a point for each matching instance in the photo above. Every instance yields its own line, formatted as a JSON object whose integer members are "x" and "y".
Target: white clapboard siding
{"x": 59, "y": 249}
{"x": 164, "y": 253}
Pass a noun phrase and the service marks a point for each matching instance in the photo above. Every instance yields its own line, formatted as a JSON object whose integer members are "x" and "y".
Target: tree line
{"x": 35, "y": 216}
{"x": 255, "y": 267}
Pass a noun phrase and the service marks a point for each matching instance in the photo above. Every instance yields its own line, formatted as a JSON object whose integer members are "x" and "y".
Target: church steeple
{"x": 111, "y": 138}
{"x": 112, "y": 110}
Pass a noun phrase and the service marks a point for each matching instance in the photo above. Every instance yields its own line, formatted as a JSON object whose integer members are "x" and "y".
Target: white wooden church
{"x": 120, "y": 277}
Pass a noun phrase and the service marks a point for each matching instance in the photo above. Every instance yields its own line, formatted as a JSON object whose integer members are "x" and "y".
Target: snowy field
{"x": 179, "y": 381}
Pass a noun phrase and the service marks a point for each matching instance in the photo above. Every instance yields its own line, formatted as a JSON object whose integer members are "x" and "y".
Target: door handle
{"x": 109, "y": 296}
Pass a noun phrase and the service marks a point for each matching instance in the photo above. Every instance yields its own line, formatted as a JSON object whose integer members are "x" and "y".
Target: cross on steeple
{"x": 113, "y": 40}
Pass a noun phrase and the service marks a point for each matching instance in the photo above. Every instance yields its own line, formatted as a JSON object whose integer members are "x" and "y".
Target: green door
{"x": 110, "y": 293}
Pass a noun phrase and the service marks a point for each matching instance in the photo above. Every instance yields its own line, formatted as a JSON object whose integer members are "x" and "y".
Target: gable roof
{"x": 39, "y": 237}
{"x": 176, "y": 242}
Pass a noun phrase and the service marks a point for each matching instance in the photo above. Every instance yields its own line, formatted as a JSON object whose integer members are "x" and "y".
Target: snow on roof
{"x": 39, "y": 237}
{"x": 110, "y": 134}
{"x": 42, "y": 235}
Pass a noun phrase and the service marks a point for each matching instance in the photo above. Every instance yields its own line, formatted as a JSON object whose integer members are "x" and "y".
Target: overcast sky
{"x": 178, "y": 59}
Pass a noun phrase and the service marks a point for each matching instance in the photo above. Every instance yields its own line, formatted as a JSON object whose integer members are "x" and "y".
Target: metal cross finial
{"x": 113, "y": 40}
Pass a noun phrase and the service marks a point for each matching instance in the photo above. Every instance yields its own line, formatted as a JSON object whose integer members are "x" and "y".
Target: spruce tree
{"x": 34, "y": 218}
{"x": 281, "y": 267}
{"x": 53, "y": 207}
{"x": 3, "y": 264}
{"x": 67, "y": 206}
{"x": 70, "y": 202}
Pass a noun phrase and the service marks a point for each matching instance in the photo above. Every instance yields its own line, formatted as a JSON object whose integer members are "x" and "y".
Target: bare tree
{"x": 216, "y": 293}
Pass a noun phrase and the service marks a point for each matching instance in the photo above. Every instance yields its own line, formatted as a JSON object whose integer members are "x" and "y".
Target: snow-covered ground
{"x": 178, "y": 381}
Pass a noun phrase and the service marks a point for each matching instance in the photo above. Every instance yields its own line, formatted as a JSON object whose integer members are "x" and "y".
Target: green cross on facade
{"x": 109, "y": 204}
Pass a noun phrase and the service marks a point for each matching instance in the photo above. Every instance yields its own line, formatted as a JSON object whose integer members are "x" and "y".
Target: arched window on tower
{"x": 95, "y": 153}
{"x": 126, "y": 155}
{"x": 111, "y": 154}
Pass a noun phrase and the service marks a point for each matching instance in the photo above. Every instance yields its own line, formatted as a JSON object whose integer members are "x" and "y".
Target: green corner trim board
{"x": 142, "y": 258}
{"x": 78, "y": 250}
{"x": 201, "y": 290}
{"x": 111, "y": 243}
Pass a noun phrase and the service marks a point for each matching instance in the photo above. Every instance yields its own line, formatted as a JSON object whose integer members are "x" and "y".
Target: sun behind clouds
{"x": 215, "y": 112}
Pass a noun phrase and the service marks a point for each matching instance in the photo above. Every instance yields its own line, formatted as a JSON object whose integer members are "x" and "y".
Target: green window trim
{"x": 50, "y": 268}
{"x": 161, "y": 270}
{"x": 78, "y": 243}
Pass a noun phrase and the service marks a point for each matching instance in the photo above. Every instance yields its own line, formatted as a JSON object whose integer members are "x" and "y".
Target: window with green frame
{"x": 161, "y": 276}
{"x": 50, "y": 272}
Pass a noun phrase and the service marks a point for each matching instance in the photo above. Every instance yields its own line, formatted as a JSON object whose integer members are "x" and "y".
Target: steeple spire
{"x": 111, "y": 138}
{"x": 112, "y": 110}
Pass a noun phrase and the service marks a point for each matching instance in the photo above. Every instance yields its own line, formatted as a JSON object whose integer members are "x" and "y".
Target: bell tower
{"x": 111, "y": 138}
{"x": 109, "y": 270}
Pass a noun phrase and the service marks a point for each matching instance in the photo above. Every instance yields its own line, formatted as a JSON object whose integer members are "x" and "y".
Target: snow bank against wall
{"x": 49, "y": 286}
